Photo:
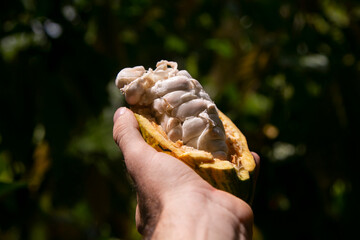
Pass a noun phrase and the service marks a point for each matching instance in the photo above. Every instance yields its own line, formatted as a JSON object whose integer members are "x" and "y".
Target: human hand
{"x": 173, "y": 201}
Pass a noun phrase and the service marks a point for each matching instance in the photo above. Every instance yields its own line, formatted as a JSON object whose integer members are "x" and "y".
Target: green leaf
{"x": 221, "y": 46}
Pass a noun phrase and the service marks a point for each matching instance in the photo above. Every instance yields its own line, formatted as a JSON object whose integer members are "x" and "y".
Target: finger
{"x": 127, "y": 135}
{"x": 150, "y": 170}
{"x": 153, "y": 173}
{"x": 256, "y": 174}
{"x": 257, "y": 162}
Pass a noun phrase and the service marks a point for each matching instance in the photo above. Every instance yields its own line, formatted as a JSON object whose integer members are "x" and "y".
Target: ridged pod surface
{"x": 177, "y": 116}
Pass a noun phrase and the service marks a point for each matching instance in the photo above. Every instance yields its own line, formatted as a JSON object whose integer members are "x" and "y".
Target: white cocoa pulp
{"x": 178, "y": 103}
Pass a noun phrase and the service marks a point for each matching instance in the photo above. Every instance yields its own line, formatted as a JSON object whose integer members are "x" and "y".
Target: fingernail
{"x": 122, "y": 110}
{"x": 119, "y": 112}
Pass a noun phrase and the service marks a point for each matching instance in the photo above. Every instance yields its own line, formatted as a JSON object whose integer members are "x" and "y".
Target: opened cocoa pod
{"x": 176, "y": 116}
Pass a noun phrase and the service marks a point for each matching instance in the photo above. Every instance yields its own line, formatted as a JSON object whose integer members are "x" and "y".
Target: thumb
{"x": 152, "y": 172}
{"x": 127, "y": 135}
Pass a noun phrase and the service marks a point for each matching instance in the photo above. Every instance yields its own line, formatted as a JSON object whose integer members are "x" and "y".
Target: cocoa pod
{"x": 176, "y": 116}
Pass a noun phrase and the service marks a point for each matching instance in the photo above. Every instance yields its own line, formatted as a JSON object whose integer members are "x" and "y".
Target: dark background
{"x": 286, "y": 72}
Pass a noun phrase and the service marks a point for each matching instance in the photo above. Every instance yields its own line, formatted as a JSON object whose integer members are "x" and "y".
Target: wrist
{"x": 204, "y": 215}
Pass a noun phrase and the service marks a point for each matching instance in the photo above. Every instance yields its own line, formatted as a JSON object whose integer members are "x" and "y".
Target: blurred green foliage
{"x": 286, "y": 72}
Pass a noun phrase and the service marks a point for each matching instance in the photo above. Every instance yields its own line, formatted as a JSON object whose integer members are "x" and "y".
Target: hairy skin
{"x": 173, "y": 201}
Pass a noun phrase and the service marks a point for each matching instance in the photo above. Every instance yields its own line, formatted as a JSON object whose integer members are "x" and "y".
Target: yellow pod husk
{"x": 233, "y": 176}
